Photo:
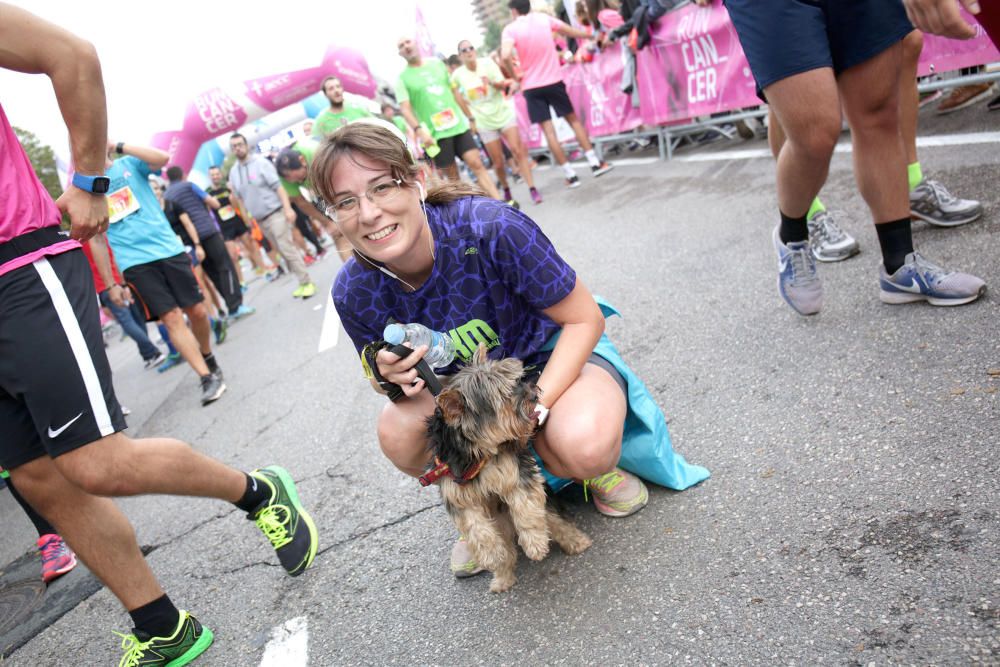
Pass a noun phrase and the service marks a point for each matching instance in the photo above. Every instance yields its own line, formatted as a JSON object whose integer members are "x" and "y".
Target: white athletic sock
{"x": 592, "y": 158}
{"x": 568, "y": 170}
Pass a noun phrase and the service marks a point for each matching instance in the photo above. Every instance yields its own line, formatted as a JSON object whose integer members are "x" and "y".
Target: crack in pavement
{"x": 388, "y": 524}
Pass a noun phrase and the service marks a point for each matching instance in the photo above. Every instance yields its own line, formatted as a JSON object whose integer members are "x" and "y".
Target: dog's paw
{"x": 536, "y": 547}
{"x": 502, "y": 583}
{"x": 577, "y": 544}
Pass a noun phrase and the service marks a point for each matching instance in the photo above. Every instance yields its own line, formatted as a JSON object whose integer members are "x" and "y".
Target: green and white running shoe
{"x": 189, "y": 640}
{"x": 285, "y": 522}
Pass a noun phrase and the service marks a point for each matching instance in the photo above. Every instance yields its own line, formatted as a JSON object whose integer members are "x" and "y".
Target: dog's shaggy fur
{"x": 486, "y": 415}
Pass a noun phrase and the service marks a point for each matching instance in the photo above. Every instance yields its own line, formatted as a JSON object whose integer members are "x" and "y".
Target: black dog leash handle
{"x": 424, "y": 371}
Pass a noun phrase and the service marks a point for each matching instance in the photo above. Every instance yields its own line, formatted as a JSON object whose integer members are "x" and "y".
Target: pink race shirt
{"x": 25, "y": 205}
{"x": 531, "y": 35}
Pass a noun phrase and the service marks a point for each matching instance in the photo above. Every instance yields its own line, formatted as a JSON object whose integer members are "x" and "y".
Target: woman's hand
{"x": 400, "y": 370}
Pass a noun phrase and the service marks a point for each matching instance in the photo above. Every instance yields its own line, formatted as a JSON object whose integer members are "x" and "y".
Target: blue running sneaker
{"x": 798, "y": 283}
{"x": 220, "y": 327}
{"x": 243, "y": 311}
{"x": 172, "y": 360}
{"x": 921, "y": 280}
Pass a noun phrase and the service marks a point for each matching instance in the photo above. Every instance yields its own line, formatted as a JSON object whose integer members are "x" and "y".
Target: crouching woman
{"x": 455, "y": 261}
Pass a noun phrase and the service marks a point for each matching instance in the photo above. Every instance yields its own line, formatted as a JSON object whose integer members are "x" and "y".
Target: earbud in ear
{"x": 420, "y": 187}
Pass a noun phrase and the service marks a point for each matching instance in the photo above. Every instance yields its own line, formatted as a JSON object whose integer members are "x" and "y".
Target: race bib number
{"x": 444, "y": 120}
{"x": 121, "y": 203}
{"x": 226, "y": 212}
{"x": 478, "y": 93}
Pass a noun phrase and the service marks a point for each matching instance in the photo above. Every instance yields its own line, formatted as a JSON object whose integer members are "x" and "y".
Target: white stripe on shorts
{"x": 71, "y": 327}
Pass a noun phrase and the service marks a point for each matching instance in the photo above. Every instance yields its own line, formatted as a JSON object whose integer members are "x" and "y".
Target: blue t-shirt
{"x": 139, "y": 232}
{"x": 494, "y": 272}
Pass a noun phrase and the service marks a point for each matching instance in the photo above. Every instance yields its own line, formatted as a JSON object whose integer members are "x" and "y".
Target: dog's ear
{"x": 452, "y": 405}
{"x": 481, "y": 354}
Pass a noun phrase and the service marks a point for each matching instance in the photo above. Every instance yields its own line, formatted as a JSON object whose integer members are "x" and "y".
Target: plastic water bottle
{"x": 440, "y": 349}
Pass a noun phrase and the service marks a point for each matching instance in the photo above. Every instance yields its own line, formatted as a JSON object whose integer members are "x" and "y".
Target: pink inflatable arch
{"x": 227, "y": 108}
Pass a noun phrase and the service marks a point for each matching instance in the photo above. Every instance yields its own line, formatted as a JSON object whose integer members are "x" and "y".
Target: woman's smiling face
{"x": 387, "y": 231}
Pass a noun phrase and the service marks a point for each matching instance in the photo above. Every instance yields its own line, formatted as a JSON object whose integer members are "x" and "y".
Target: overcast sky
{"x": 157, "y": 56}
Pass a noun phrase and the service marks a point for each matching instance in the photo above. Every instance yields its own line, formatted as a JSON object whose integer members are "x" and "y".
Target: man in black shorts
{"x": 62, "y": 437}
{"x": 438, "y": 115}
{"x": 234, "y": 230}
{"x": 153, "y": 261}
{"x": 811, "y": 59}
{"x": 530, "y": 34}
{"x": 217, "y": 264}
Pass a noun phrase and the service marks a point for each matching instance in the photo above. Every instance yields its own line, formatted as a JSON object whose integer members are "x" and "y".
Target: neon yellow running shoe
{"x": 617, "y": 493}
{"x": 284, "y": 522}
{"x": 189, "y": 640}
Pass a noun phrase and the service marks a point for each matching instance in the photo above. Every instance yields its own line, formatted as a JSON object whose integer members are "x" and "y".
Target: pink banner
{"x": 226, "y": 109}
{"x": 595, "y": 90}
{"x": 941, "y": 54}
{"x": 693, "y": 66}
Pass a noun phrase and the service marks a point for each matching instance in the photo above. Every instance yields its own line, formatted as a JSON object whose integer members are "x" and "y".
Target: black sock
{"x": 210, "y": 362}
{"x": 793, "y": 229}
{"x": 159, "y": 618}
{"x": 41, "y": 525}
{"x": 896, "y": 239}
{"x": 257, "y": 492}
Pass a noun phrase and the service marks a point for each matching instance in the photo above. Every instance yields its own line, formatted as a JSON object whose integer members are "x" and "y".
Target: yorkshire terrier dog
{"x": 489, "y": 480}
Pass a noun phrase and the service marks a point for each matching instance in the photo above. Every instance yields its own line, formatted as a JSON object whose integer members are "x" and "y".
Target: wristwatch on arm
{"x": 94, "y": 184}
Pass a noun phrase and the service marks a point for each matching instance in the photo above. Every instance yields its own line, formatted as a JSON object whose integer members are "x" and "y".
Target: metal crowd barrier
{"x": 669, "y": 137}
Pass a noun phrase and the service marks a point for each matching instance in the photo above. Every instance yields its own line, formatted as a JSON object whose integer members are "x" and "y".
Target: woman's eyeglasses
{"x": 348, "y": 208}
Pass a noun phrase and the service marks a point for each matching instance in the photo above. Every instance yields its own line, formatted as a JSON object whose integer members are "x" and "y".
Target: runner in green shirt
{"x": 481, "y": 83}
{"x": 338, "y": 114}
{"x": 292, "y": 164}
{"x": 389, "y": 113}
{"x": 438, "y": 115}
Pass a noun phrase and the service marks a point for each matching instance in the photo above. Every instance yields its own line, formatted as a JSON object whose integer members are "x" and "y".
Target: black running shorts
{"x": 785, "y": 37}
{"x": 55, "y": 380}
{"x": 234, "y": 228}
{"x": 163, "y": 285}
{"x": 452, "y": 147}
{"x": 539, "y": 100}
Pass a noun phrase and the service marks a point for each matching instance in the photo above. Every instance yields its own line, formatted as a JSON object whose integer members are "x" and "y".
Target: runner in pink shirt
{"x": 62, "y": 436}
{"x": 530, "y": 35}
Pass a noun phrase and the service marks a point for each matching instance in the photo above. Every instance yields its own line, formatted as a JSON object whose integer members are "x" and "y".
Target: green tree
{"x": 43, "y": 159}
{"x": 491, "y": 40}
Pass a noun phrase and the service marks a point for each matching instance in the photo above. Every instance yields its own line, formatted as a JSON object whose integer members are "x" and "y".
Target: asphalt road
{"x": 851, "y": 516}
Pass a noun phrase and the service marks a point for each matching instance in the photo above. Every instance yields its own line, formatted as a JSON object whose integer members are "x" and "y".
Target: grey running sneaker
{"x": 798, "y": 283}
{"x": 921, "y": 280}
{"x": 573, "y": 181}
{"x": 212, "y": 387}
{"x": 930, "y": 201}
{"x": 830, "y": 243}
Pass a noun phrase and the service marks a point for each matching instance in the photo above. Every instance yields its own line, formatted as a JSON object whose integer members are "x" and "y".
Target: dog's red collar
{"x": 441, "y": 469}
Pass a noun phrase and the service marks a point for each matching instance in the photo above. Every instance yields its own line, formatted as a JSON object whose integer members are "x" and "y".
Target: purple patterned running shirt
{"x": 494, "y": 272}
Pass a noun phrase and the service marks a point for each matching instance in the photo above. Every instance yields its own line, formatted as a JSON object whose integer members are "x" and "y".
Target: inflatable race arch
{"x": 275, "y": 101}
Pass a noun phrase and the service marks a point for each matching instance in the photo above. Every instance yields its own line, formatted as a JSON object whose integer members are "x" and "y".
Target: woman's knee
{"x": 587, "y": 448}
{"x": 401, "y": 437}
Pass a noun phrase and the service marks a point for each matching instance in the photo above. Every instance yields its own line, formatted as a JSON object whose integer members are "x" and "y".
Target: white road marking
{"x": 330, "y": 332}
{"x": 937, "y": 141}
{"x": 289, "y": 645}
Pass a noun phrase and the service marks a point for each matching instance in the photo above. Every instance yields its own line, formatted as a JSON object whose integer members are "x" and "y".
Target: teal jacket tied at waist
{"x": 646, "y": 448}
